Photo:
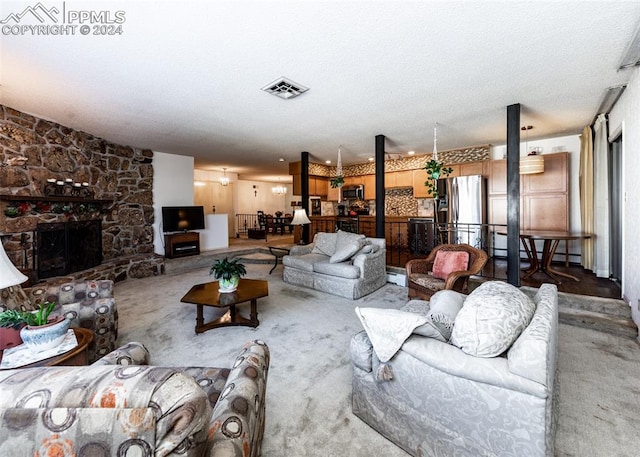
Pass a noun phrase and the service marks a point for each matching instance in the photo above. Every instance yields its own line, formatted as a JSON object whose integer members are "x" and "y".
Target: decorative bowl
{"x": 44, "y": 337}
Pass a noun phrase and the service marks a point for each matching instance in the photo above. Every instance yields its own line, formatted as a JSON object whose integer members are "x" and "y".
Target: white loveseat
{"x": 342, "y": 263}
{"x": 433, "y": 398}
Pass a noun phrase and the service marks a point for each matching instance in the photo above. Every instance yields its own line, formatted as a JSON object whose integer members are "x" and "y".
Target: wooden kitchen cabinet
{"x": 544, "y": 197}
{"x": 398, "y": 179}
{"x": 554, "y": 178}
{"x": 297, "y": 185}
{"x": 333, "y": 194}
{"x": 471, "y": 168}
{"x": 545, "y": 212}
{"x": 418, "y": 178}
{"x": 455, "y": 171}
{"x": 353, "y": 180}
{"x": 317, "y": 185}
{"x": 369, "y": 187}
{"x": 497, "y": 177}
{"x": 466, "y": 169}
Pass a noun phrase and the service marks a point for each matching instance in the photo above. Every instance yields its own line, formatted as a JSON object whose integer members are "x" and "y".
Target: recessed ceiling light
{"x": 411, "y": 153}
{"x": 370, "y": 159}
{"x": 281, "y": 159}
{"x": 327, "y": 161}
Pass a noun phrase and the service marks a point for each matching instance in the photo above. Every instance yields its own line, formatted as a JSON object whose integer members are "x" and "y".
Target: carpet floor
{"x": 309, "y": 383}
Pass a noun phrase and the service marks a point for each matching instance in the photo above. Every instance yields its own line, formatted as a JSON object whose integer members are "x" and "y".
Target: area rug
{"x": 309, "y": 383}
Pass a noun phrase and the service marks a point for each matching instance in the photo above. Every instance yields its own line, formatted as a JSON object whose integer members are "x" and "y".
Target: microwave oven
{"x": 353, "y": 192}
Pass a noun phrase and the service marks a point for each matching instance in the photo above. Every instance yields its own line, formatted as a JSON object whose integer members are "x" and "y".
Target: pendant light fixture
{"x": 279, "y": 189}
{"x": 532, "y": 163}
{"x": 224, "y": 180}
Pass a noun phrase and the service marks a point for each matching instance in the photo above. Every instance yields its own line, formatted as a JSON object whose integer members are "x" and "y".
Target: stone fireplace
{"x": 115, "y": 206}
{"x": 67, "y": 247}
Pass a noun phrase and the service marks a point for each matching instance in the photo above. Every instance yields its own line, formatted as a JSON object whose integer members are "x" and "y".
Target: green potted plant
{"x": 11, "y": 322}
{"x": 435, "y": 170}
{"x": 337, "y": 182}
{"x": 43, "y": 331}
{"x": 229, "y": 273}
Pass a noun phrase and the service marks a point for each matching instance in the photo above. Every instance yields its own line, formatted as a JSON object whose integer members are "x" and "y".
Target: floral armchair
{"x": 119, "y": 406}
{"x": 88, "y": 304}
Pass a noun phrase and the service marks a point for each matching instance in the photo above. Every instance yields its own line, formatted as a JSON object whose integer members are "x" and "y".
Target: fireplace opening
{"x": 66, "y": 247}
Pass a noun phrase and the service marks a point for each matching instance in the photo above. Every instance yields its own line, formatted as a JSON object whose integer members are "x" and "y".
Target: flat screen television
{"x": 182, "y": 218}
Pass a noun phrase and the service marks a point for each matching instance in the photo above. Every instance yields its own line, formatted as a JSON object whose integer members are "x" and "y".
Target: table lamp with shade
{"x": 9, "y": 274}
{"x": 300, "y": 218}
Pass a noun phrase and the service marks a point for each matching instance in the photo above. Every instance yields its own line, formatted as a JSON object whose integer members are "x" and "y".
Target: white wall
{"x": 625, "y": 119}
{"x": 172, "y": 186}
{"x": 216, "y": 198}
{"x": 252, "y": 199}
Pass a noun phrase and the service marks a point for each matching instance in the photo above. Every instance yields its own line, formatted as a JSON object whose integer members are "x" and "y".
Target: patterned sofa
{"x": 433, "y": 398}
{"x": 342, "y": 263}
{"x": 88, "y": 304}
{"x": 119, "y": 407}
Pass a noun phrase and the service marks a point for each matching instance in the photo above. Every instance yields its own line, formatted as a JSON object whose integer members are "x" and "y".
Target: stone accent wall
{"x": 416, "y": 162}
{"x": 120, "y": 174}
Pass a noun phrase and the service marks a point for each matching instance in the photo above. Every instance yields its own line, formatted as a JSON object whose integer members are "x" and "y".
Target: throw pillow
{"x": 324, "y": 243}
{"x": 440, "y": 312}
{"x": 347, "y": 245}
{"x": 368, "y": 248}
{"x": 388, "y": 329}
{"x": 492, "y": 318}
{"x": 429, "y": 328}
{"x": 449, "y": 261}
{"x": 444, "y": 308}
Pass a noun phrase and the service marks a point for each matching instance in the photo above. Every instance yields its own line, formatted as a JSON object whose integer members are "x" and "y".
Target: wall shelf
{"x": 52, "y": 198}
{"x": 22, "y": 205}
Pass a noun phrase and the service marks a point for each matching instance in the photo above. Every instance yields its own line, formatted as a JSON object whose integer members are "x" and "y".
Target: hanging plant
{"x": 337, "y": 182}
{"x": 435, "y": 170}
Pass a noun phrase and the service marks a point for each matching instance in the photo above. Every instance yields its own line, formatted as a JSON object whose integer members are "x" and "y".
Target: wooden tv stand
{"x": 181, "y": 244}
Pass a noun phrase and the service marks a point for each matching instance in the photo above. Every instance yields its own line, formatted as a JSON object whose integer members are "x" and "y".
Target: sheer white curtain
{"x": 601, "y": 198}
{"x": 586, "y": 196}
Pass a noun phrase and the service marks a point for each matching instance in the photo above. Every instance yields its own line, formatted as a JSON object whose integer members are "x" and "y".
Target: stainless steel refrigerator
{"x": 462, "y": 210}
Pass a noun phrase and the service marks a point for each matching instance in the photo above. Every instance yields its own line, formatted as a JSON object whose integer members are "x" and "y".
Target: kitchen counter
{"x": 396, "y": 227}
{"x": 388, "y": 218}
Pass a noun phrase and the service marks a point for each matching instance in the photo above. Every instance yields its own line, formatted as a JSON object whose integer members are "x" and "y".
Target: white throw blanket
{"x": 388, "y": 329}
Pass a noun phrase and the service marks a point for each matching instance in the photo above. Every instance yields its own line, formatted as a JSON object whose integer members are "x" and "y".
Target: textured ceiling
{"x": 184, "y": 77}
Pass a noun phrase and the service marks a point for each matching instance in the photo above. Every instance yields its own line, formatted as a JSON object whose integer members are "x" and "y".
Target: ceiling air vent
{"x": 285, "y": 88}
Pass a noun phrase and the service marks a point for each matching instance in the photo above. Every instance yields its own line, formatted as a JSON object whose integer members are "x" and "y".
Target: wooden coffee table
{"x": 207, "y": 294}
{"x": 73, "y": 357}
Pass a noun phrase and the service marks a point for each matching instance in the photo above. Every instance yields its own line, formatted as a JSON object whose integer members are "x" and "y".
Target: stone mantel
{"x": 53, "y": 198}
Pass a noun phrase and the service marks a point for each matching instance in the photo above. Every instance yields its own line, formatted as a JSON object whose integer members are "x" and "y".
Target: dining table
{"x": 550, "y": 239}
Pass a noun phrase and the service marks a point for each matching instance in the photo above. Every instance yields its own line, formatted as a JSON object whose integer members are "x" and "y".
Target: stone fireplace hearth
{"x": 118, "y": 178}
